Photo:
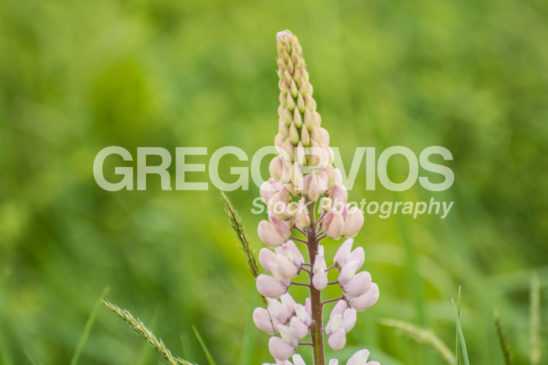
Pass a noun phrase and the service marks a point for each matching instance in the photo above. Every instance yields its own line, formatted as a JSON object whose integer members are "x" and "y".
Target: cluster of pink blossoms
{"x": 303, "y": 176}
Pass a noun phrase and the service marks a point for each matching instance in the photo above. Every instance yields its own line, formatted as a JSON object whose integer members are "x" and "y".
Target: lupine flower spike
{"x": 302, "y": 178}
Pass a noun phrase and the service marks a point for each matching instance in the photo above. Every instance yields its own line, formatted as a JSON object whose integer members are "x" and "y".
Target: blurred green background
{"x": 77, "y": 76}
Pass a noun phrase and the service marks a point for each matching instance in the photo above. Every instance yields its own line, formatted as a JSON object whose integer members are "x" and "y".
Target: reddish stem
{"x": 315, "y": 297}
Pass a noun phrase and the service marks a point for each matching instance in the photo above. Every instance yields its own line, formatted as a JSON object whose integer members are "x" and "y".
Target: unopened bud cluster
{"x": 302, "y": 175}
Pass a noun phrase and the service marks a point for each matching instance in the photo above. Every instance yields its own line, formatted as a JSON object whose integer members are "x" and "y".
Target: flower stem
{"x": 315, "y": 297}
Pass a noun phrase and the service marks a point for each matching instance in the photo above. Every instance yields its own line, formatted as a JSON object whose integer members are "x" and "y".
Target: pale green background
{"x": 76, "y": 76}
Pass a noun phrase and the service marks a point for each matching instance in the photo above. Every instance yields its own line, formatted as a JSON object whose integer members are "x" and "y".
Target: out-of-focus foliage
{"x": 76, "y": 76}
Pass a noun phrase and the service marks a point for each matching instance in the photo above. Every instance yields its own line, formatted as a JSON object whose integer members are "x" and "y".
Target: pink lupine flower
{"x": 333, "y": 224}
{"x": 297, "y": 360}
{"x": 303, "y": 313}
{"x": 333, "y": 176}
{"x": 270, "y": 287}
{"x": 339, "y": 195}
{"x": 285, "y": 263}
{"x": 353, "y": 221}
{"x": 337, "y": 339}
{"x": 348, "y": 271}
{"x": 263, "y": 321}
{"x": 345, "y": 254}
{"x": 366, "y": 300}
{"x": 319, "y": 271}
{"x": 358, "y": 284}
{"x": 279, "y": 169}
{"x": 274, "y": 232}
{"x": 341, "y": 320}
{"x": 360, "y": 358}
{"x": 280, "y": 349}
{"x": 279, "y": 311}
{"x": 302, "y": 218}
{"x": 279, "y": 205}
{"x": 270, "y": 188}
{"x": 297, "y": 177}
{"x": 269, "y": 234}
{"x": 301, "y": 175}
{"x": 314, "y": 186}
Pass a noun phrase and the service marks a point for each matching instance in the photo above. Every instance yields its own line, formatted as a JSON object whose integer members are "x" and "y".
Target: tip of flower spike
{"x": 283, "y": 34}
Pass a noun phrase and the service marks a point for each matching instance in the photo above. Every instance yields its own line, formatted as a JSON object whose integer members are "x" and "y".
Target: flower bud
{"x": 308, "y": 119}
{"x": 284, "y": 269}
{"x": 298, "y": 360}
{"x": 270, "y": 188}
{"x": 285, "y": 114}
{"x": 290, "y": 250}
{"x": 300, "y": 104}
{"x": 267, "y": 258}
{"x": 337, "y": 339}
{"x": 278, "y": 311}
{"x": 302, "y": 219}
{"x": 338, "y": 309}
{"x": 357, "y": 255}
{"x": 314, "y": 186}
{"x": 343, "y": 253}
{"x": 366, "y": 300}
{"x": 317, "y": 119}
{"x": 349, "y": 319}
{"x": 305, "y": 137}
{"x": 316, "y": 136}
{"x": 283, "y": 129}
{"x": 279, "y": 169}
{"x": 359, "y": 358}
{"x": 289, "y": 303}
{"x": 358, "y": 285}
{"x": 298, "y": 328}
{"x": 310, "y": 103}
{"x": 339, "y": 195}
{"x": 333, "y": 227}
{"x": 262, "y": 320}
{"x": 293, "y": 133}
{"x": 293, "y": 88}
{"x": 270, "y": 287}
{"x": 324, "y": 136}
{"x": 300, "y": 156}
{"x": 297, "y": 177}
{"x": 303, "y": 314}
{"x": 273, "y": 234}
{"x": 297, "y": 119}
{"x": 290, "y": 102}
{"x": 319, "y": 280}
{"x": 333, "y": 362}
{"x": 280, "y": 349}
{"x": 348, "y": 271}
{"x": 279, "y": 207}
{"x": 287, "y": 335}
{"x": 353, "y": 221}
{"x": 288, "y": 150}
{"x": 333, "y": 176}
{"x": 319, "y": 270}
{"x": 278, "y": 140}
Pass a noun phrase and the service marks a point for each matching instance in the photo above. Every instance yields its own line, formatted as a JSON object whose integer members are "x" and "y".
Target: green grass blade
{"x": 87, "y": 328}
{"x": 423, "y": 336}
{"x": 534, "y": 321}
{"x": 203, "y": 345}
{"x": 146, "y": 334}
{"x": 461, "y": 343}
{"x": 503, "y": 341}
{"x": 238, "y": 227}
